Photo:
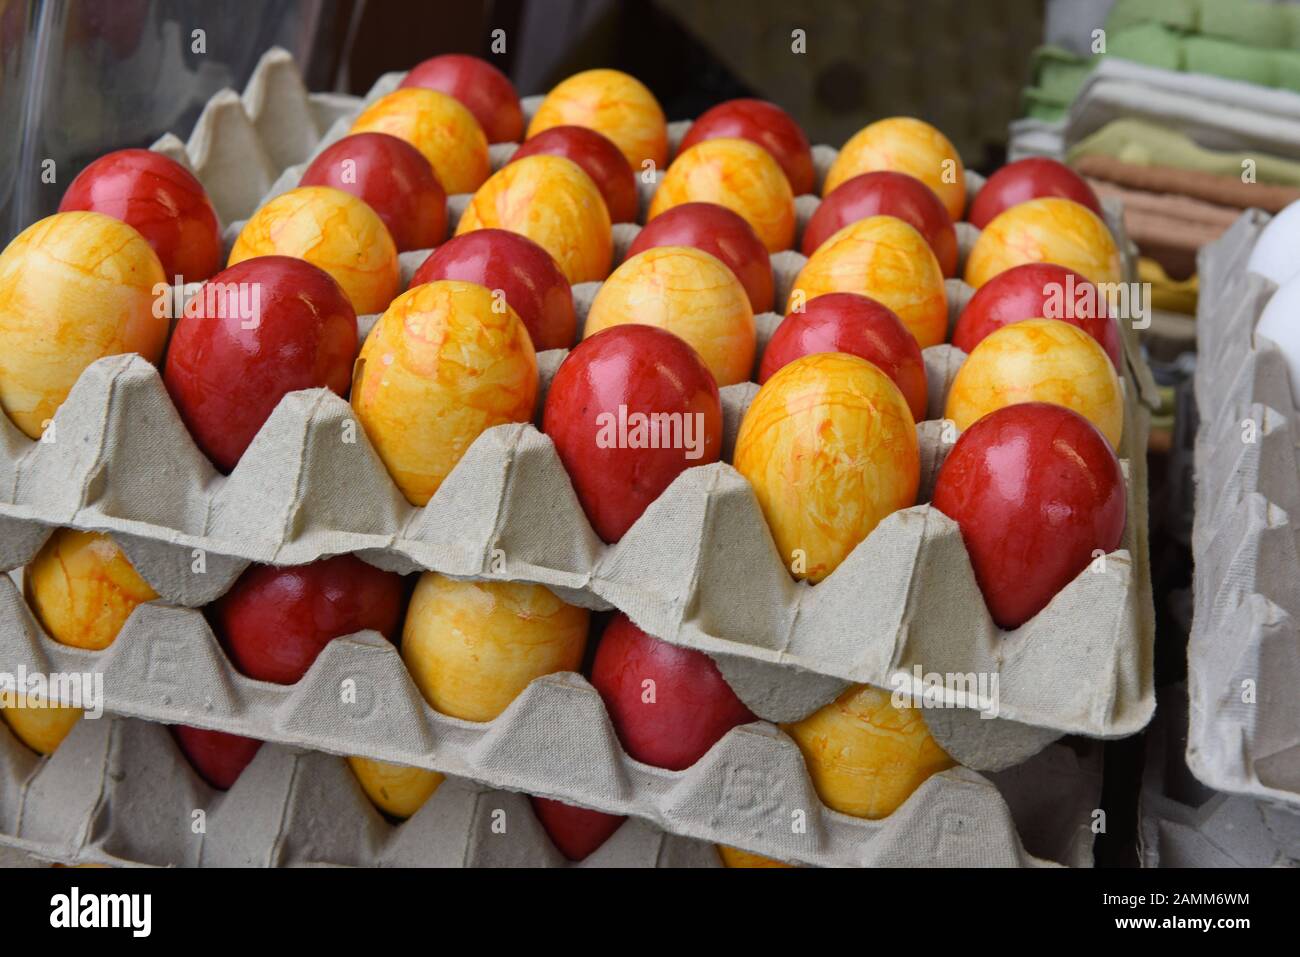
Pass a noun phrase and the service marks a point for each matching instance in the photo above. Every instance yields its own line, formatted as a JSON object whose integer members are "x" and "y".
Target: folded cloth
{"x": 1167, "y": 228}
{"x": 1227, "y": 191}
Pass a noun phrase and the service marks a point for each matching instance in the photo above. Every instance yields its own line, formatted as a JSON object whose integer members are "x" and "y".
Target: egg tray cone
{"x": 1244, "y": 651}
{"x": 119, "y": 791}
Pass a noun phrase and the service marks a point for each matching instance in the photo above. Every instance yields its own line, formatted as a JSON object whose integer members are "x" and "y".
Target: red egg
{"x": 393, "y": 178}
{"x": 767, "y": 125}
{"x": 672, "y": 722}
{"x": 1028, "y": 179}
{"x": 885, "y": 193}
{"x": 859, "y": 326}
{"x": 482, "y": 88}
{"x": 599, "y": 158}
{"x": 576, "y": 832}
{"x": 273, "y": 622}
{"x": 218, "y": 756}
{"x": 721, "y": 233}
{"x": 532, "y": 283}
{"x": 1035, "y": 489}
{"x": 630, "y": 409}
{"x": 1038, "y": 291}
{"x": 161, "y": 200}
{"x": 256, "y": 331}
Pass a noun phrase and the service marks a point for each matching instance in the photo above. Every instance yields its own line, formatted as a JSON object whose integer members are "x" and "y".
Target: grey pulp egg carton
{"x": 699, "y": 570}
{"x": 1244, "y": 650}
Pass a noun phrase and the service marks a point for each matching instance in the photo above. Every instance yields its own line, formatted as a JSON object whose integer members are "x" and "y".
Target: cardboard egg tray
{"x": 1245, "y": 539}
{"x": 699, "y": 570}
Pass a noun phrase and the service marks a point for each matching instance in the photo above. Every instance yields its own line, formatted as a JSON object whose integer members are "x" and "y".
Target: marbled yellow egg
{"x": 829, "y": 446}
{"x": 864, "y": 755}
{"x": 472, "y": 647}
{"x": 884, "y": 259}
{"x": 1039, "y": 360}
{"x": 902, "y": 144}
{"x": 396, "y": 789}
{"x": 739, "y": 175}
{"x": 550, "y": 200}
{"x": 1049, "y": 230}
{"x": 613, "y": 104}
{"x": 40, "y": 728}
{"x": 332, "y": 230}
{"x": 688, "y": 293}
{"x": 82, "y": 588}
{"x": 437, "y": 125}
{"x": 74, "y": 287}
{"x": 735, "y": 857}
{"x": 445, "y": 362}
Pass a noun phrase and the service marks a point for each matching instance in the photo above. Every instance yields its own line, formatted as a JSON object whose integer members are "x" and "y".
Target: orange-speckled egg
{"x": 613, "y": 104}
{"x": 74, "y": 287}
{"x": 830, "y": 447}
{"x": 396, "y": 789}
{"x": 82, "y": 588}
{"x": 884, "y": 259}
{"x": 1039, "y": 360}
{"x": 440, "y": 127}
{"x": 472, "y": 647}
{"x": 550, "y": 200}
{"x": 864, "y": 755}
{"x": 39, "y": 727}
{"x": 1048, "y": 230}
{"x": 902, "y": 144}
{"x": 688, "y": 293}
{"x": 739, "y": 175}
{"x": 735, "y": 857}
{"x": 444, "y": 363}
{"x": 332, "y": 230}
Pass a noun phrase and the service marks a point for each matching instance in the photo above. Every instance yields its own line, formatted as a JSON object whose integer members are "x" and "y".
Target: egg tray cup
{"x": 124, "y": 464}
{"x": 1245, "y": 538}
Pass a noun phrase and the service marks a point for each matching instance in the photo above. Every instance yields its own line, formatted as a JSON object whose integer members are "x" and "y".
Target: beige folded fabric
{"x": 1210, "y": 187}
{"x": 1168, "y": 228}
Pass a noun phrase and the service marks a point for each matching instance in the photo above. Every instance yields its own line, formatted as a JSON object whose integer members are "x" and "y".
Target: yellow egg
{"x": 884, "y": 259}
{"x": 690, "y": 294}
{"x": 333, "y": 231}
{"x": 82, "y": 588}
{"x": 40, "y": 728}
{"x": 74, "y": 287}
{"x": 444, "y": 363}
{"x": 613, "y": 104}
{"x": 739, "y": 175}
{"x": 735, "y": 857}
{"x": 440, "y": 127}
{"x": 550, "y": 200}
{"x": 472, "y": 647}
{"x": 830, "y": 447}
{"x": 902, "y": 144}
{"x": 865, "y": 756}
{"x": 1048, "y": 230}
{"x": 1039, "y": 360}
{"x": 398, "y": 790}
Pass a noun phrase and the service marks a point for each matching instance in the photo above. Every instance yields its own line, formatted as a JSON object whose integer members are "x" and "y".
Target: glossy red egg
{"x": 630, "y": 409}
{"x": 483, "y": 89}
{"x": 1035, "y": 489}
{"x": 1038, "y": 291}
{"x": 531, "y": 281}
{"x": 767, "y": 125}
{"x": 575, "y": 831}
{"x": 1027, "y": 179}
{"x": 885, "y": 193}
{"x": 274, "y": 621}
{"x": 161, "y": 200}
{"x": 674, "y": 721}
{"x": 393, "y": 178}
{"x": 598, "y": 157}
{"x": 253, "y": 333}
{"x": 859, "y": 326}
{"x": 721, "y": 233}
{"x": 218, "y": 756}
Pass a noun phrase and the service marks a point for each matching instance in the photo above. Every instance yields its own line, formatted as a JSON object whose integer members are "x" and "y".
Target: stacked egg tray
{"x": 699, "y": 570}
{"x": 1244, "y": 651}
